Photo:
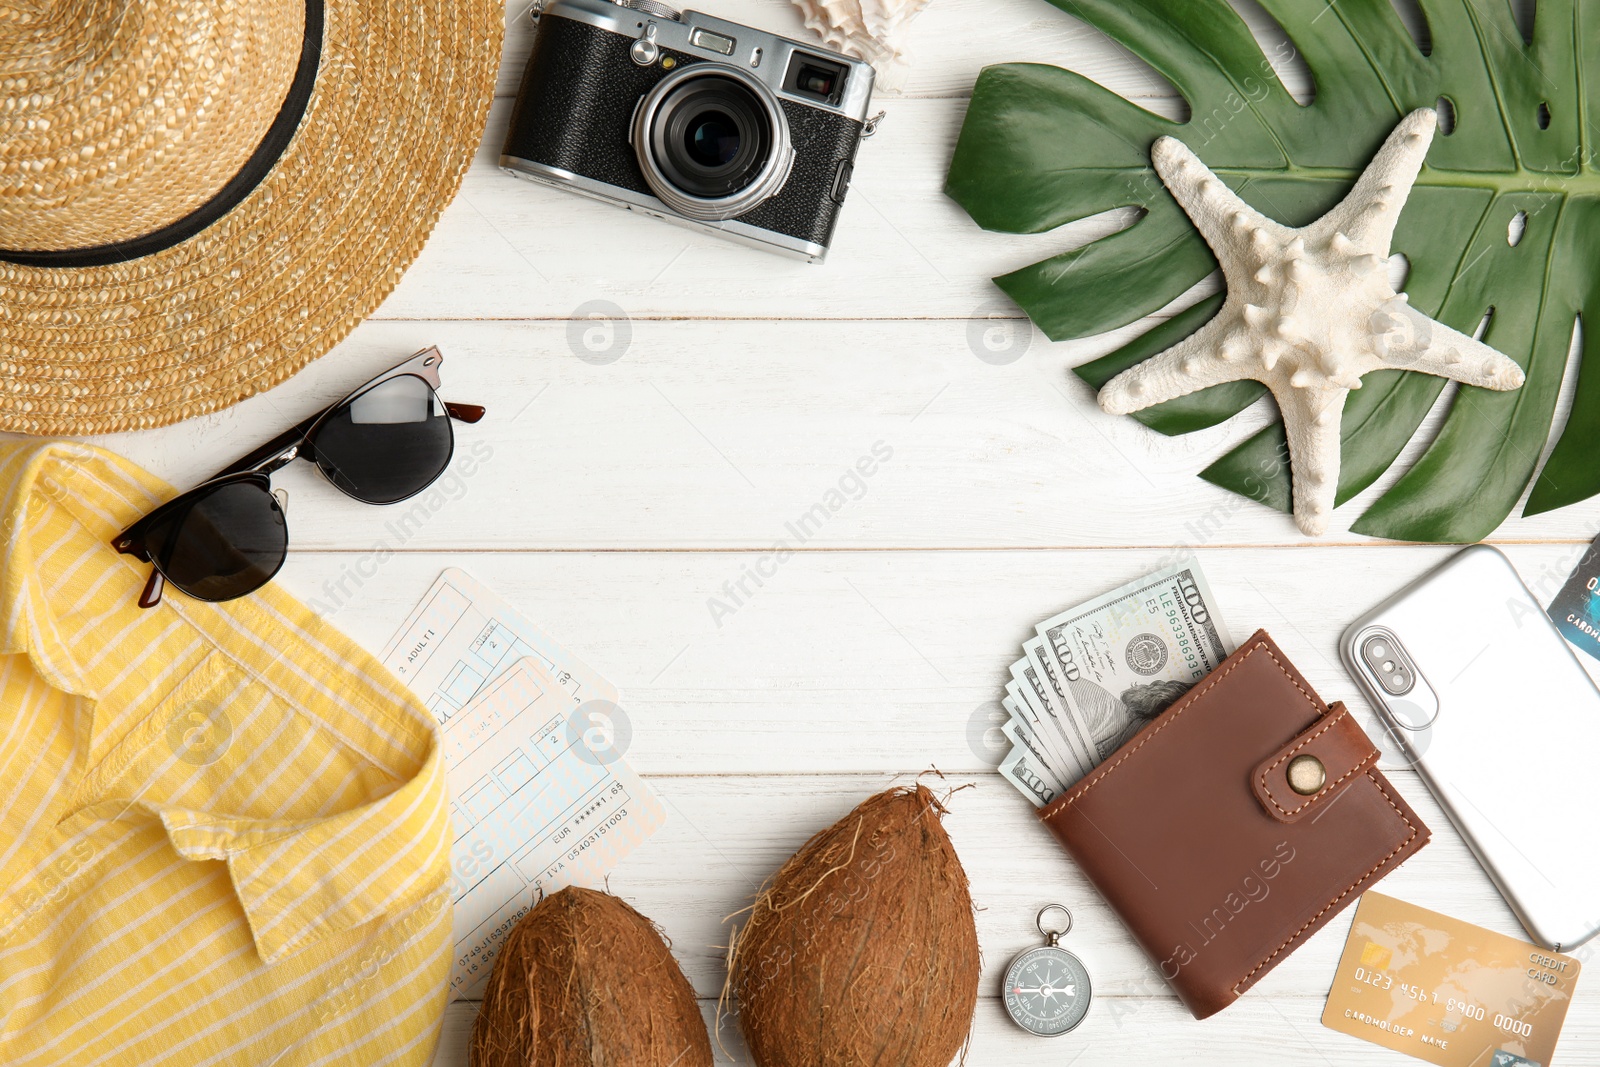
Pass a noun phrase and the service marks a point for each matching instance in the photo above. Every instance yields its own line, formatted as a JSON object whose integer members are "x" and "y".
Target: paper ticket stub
{"x": 540, "y": 794}
{"x": 1446, "y": 991}
{"x": 539, "y": 800}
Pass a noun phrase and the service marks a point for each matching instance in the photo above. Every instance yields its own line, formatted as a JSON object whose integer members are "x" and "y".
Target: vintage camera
{"x": 692, "y": 119}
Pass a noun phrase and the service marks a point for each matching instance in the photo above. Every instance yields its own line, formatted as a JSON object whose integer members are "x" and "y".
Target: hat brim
{"x": 401, "y": 98}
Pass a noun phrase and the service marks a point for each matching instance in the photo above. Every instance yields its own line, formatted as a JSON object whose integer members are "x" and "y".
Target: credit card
{"x": 1446, "y": 991}
{"x": 1576, "y": 609}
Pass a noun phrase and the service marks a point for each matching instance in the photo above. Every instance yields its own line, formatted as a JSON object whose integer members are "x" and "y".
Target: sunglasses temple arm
{"x": 151, "y": 596}
{"x": 464, "y": 412}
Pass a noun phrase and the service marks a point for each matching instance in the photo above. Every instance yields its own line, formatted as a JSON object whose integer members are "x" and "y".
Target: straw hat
{"x": 199, "y": 197}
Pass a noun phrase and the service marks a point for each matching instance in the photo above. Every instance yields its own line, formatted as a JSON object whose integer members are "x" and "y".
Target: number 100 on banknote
{"x": 1097, "y": 674}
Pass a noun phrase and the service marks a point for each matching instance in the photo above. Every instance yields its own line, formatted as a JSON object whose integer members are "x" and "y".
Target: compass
{"x": 1047, "y": 990}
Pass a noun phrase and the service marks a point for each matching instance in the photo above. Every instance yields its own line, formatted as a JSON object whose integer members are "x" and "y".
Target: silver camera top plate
{"x": 764, "y": 55}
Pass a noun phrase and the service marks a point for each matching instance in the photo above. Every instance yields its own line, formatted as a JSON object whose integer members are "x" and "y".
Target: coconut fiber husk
{"x": 585, "y": 981}
{"x": 862, "y": 949}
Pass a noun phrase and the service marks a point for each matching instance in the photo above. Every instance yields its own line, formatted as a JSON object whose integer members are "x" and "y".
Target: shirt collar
{"x": 296, "y": 880}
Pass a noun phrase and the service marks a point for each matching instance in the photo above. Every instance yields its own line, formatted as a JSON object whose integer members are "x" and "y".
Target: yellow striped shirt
{"x": 224, "y": 837}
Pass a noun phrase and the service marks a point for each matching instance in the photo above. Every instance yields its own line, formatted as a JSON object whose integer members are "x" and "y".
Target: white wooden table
{"x": 636, "y": 466}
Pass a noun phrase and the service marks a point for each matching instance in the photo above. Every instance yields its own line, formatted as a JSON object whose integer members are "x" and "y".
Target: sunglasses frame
{"x": 297, "y": 442}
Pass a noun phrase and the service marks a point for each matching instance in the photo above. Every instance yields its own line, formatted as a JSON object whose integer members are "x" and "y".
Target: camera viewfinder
{"x": 816, "y": 78}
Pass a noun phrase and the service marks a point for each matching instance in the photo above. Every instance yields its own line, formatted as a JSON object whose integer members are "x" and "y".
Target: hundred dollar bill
{"x": 1032, "y": 688}
{"x": 1124, "y": 657}
{"x": 1025, "y": 703}
{"x": 1077, "y": 755}
{"x": 1023, "y": 697}
{"x": 1022, "y": 738}
{"x": 1018, "y": 769}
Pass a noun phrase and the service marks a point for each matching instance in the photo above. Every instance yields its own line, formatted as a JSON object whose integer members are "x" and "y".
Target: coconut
{"x": 862, "y": 949}
{"x": 585, "y": 981}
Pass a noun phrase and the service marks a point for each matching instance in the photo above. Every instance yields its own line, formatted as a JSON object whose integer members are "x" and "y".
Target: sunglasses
{"x": 225, "y": 538}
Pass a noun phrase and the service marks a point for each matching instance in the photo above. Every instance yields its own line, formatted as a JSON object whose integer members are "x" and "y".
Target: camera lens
{"x": 711, "y": 136}
{"x": 712, "y": 141}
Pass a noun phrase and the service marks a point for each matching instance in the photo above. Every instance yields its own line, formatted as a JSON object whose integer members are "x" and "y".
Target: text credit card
{"x": 1447, "y": 991}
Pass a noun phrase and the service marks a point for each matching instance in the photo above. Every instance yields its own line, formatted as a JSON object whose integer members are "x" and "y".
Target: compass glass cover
{"x": 1047, "y": 991}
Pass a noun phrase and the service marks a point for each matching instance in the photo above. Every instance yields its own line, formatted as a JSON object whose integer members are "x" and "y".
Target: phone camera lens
{"x": 1388, "y": 665}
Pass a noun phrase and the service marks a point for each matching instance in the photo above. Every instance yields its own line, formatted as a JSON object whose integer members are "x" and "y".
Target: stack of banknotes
{"x": 1094, "y": 675}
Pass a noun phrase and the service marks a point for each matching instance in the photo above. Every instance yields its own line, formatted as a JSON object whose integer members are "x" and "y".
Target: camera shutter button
{"x": 645, "y": 50}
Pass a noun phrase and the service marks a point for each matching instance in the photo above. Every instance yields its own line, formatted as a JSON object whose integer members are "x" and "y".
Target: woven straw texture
{"x": 401, "y": 98}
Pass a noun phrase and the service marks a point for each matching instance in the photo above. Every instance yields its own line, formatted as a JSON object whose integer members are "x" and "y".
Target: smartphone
{"x": 1486, "y": 700}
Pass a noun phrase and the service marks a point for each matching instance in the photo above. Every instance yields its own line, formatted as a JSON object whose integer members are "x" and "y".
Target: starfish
{"x": 1308, "y": 311}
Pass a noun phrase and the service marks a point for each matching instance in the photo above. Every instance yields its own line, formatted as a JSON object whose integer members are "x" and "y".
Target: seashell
{"x": 871, "y": 30}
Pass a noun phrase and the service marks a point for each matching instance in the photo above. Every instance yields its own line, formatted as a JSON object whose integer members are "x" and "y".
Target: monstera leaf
{"x": 1042, "y": 146}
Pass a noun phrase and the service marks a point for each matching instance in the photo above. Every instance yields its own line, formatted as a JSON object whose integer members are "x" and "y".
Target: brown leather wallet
{"x": 1244, "y": 817}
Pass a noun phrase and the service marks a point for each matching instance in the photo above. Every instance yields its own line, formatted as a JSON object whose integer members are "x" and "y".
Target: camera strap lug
{"x": 535, "y": 9}
{"x": 870, "y": 127}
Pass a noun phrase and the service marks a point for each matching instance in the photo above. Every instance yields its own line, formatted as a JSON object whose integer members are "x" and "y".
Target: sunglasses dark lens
{"x": 386, "y": 443}
{"x": 223, "y": 544}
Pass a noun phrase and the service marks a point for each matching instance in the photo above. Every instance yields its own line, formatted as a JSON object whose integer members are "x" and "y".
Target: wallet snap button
{"x": 1307, "y": 775}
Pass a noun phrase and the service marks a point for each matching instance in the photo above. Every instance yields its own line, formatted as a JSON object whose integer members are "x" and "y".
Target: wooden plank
{"x": 722, "y": 434}
{"x": 1258, "y": 1031}
{"x": 952, "y": 40}
{"x": 859, "y": 662}
{"x": 902, "y": 247}
{"x": 726, "y": 834}
{"x": 510, "y": 248}
{"x": 946, "y": 51}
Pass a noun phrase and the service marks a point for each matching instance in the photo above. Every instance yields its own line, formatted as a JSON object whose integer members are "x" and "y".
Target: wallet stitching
{"x": 1259, "y": 646}
{"x": 1292, "y": 938}
{"x": 1346, "y": 776}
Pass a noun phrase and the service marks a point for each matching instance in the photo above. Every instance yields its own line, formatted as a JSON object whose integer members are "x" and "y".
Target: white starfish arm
{"x": 1205, "y": 198}
{"x": 1311, "y": 419}
{"x": 1368, "y": 213}
{"x": 1209, "y": 356}
{"x": 1426, "y": 345}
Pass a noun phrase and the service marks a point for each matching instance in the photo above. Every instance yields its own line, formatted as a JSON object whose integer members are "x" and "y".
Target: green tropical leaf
{"x": 1042, "y": 146}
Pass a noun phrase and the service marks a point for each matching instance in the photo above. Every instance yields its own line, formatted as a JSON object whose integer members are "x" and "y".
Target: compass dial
{"x": 1047, "y": 991}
